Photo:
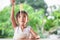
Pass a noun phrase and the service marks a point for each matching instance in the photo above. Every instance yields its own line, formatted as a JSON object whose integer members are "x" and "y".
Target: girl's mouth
{"x": 23, "y": 21}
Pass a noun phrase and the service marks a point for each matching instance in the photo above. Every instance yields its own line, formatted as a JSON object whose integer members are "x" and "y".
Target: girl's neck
{"x": 22, "y": 27}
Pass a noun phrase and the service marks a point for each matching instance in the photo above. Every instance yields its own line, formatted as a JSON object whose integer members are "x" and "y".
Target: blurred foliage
{"x": 56, "y": 14}
{"x": 55, "y": 22}
{"x": 36, "y": 4}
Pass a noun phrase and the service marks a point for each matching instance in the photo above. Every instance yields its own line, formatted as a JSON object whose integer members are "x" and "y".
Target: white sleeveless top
{"x": 18, "y": 33}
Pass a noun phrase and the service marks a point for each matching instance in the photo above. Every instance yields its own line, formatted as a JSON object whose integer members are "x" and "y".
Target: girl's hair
{"x": 18, "y": 14}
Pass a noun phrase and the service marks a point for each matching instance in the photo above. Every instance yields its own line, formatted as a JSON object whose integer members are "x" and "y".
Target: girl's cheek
{"x": 26, "y": 20}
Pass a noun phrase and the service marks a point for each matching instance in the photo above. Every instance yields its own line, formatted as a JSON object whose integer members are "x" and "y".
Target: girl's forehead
{"x": 23, "y": 14}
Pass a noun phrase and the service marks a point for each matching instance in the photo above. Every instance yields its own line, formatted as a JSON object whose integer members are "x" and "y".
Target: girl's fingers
{"x": 12, "y": 1}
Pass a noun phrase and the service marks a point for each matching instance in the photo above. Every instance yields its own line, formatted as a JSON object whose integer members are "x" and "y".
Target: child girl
{"x": 21, "y": 32}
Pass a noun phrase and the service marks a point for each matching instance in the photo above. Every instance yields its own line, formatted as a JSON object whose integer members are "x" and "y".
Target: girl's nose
{"x": 22, "y": 18}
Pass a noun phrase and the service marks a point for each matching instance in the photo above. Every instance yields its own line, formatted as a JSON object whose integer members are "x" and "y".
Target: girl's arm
{"x": 12, "y": 14}
{"x": 34, "y": 34}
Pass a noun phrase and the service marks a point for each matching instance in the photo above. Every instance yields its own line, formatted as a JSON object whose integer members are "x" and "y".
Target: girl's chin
{"x": 23, "y": 25}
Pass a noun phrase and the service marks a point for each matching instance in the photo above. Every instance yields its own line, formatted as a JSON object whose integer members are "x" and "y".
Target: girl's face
{"x": 22, "y": 19}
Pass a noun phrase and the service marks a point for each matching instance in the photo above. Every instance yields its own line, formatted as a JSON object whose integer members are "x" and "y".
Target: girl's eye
{"x": 23, "y": 16}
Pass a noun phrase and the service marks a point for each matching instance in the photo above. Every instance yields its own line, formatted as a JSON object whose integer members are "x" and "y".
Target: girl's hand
{"x": 12, "y": 2}
{"x": 34, "y": 34}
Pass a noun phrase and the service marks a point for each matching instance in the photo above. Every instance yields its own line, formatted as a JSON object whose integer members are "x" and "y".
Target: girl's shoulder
{"x": 16, "y": 28}
{"x": 28, "y": 27}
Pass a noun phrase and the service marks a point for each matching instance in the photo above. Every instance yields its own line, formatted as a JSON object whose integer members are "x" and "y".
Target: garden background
{"x": 43, "y": 18}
